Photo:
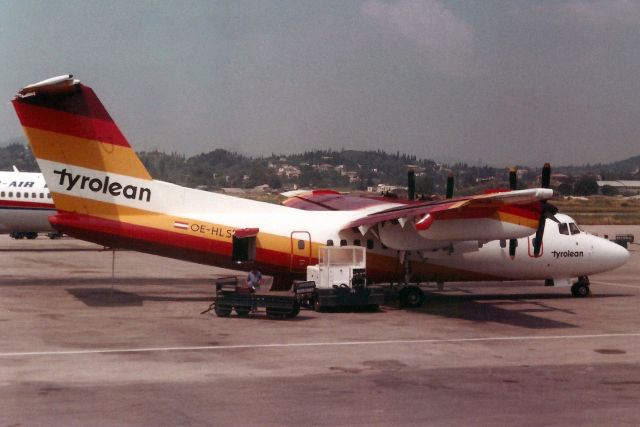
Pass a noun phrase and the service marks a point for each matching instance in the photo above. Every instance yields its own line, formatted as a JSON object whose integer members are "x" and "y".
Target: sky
{"x": 484, "y": 82}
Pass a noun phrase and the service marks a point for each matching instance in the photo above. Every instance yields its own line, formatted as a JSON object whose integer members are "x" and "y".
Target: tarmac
{"x": 80, "y": 346}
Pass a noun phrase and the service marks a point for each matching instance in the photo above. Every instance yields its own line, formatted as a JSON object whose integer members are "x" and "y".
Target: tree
{"x": 424, "y": 185}
{"x": 586, "y": 186}
{"x": 565, "y": 189}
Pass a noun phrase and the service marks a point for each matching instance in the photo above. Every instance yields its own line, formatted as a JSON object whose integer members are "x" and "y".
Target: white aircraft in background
{"x": 104, "y": 194}
{"x": 25, "y": 205}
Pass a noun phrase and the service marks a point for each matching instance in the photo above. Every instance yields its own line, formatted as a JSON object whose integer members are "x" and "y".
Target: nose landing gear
{"x": 580, "y": 289}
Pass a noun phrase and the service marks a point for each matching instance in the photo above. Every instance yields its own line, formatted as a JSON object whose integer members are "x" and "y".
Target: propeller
{"x": 513, "y": 179}
{"x": 411, "y": 184}
{"x": 547, "y": 210}
{"x": 449, "y": 193}
{"x": 513, "y": 185}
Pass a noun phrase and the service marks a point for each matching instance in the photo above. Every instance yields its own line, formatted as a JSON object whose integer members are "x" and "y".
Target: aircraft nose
{"x": 615, "y": 255}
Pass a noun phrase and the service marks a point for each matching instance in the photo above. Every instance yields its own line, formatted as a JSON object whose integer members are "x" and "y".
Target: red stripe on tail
{"x": 80, "y": 114}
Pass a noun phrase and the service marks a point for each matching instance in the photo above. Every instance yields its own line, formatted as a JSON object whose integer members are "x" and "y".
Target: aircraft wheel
{"x": 31, "y": 235}
{"x": 411, "y": 297}
{"x": 223, "y": 311}
{"x": 580, "y": 290}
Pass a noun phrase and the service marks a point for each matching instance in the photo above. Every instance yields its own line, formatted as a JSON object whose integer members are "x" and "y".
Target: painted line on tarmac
{"x": 615, "y": 284}
{"x": 312, "y": 344}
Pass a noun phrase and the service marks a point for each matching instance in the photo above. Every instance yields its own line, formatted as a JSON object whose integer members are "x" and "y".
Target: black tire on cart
{"x": 317, "y": 306}
{"x": 294, "y": 312}
{"x": 274, "y": 314}
{"x": 242, "y": 311}
{"x": 222, "y": 311}
{"x": 411, "y": 297}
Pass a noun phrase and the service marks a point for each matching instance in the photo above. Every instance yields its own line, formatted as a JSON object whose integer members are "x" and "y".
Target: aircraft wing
{"x": 463, "y": 207}
{"x": 495, "y": 216}
{"x": 330, "y": 200}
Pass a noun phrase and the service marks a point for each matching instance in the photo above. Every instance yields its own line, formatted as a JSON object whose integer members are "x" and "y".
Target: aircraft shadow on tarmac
{"x": 108, "y": 297}
{"x": 512, "y": 309}
{"x": 107, "y": 281}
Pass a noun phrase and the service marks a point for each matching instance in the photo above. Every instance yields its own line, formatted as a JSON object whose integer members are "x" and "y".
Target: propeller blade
{"x": 537, "y": 241}
{"x": 548, "y": 211}
{"x": 449, "y": 186}
{"x": 513, "y": 244}
{"x": 411, "y": 184}
{"x": 513, "y": 179}
{"x": 546, "y": 176}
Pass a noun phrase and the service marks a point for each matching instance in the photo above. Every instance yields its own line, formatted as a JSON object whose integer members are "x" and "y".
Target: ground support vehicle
{"x": 231, "y": 296}
{"x": 340, "y": 280}
{"x": 624, "y": 240}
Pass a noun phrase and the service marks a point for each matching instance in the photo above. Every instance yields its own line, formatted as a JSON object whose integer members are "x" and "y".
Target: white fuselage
{"x": 563, "y": 256}
{"x": 25, "y": 203}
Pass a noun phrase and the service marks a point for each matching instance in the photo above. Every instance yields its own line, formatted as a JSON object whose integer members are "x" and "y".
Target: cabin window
{"x": 343, "y": 242}
{"x": 503, "y": 243}
{"x": 42, "y": 195}
{"x": 369, "y": 244}
{"x": 26, "y": 195}
{"x": 356, "y": 242}
{"x": 10, "y": 193}
{"x": 563, "y": 228}
{"x": 329, "y": 242}
{"x": 574, "y": 228}
{"x": 48, "y": 195}
{"x": 33, "y": 195}
{"x": 18, "y": 195}
{"x": 301, "y": 244}
{"x": 2, "y": 194}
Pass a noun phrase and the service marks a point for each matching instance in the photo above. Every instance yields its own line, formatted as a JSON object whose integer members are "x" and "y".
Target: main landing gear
{"x": 580, "y": 289}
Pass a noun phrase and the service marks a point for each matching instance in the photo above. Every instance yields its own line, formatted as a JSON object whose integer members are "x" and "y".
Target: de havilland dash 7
{"x": 104, "y": 194}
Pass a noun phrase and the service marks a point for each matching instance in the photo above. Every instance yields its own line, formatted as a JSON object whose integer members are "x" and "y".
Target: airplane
{"x": 104, "y": 194}
{"x": 25, "y": 205}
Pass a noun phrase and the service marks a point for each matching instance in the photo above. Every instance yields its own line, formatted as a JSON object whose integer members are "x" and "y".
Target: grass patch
{"x": 601, "y": 210}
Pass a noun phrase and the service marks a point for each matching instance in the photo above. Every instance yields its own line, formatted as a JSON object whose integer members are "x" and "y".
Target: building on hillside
{"x": 624, "y": 187}
{"x": 289, "y": 171}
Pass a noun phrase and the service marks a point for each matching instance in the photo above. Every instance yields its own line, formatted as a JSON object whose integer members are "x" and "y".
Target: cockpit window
{"x": 574, "y": 228}
{"x": 563, "y": 228}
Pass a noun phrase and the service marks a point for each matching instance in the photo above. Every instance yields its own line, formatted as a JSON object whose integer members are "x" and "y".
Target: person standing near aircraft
{"x": 254, "y": 280}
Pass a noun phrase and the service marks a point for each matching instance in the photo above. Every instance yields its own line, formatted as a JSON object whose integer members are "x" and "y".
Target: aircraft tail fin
{"x": 80, "y": 150}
